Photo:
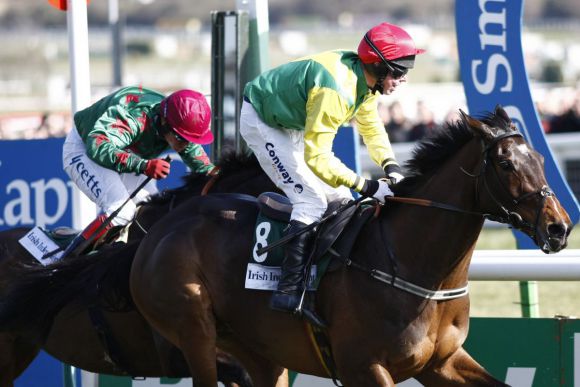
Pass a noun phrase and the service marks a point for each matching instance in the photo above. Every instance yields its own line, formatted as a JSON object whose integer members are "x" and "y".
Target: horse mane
{"x": 433, "y": 150}
{"x": 36, "y": 294}
{"x": 229, "y": 163}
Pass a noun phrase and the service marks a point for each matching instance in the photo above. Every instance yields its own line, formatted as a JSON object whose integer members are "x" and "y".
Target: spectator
{"x": 399, "y": 126}
{"x": 425, "y": 122}
{"x": 43, "y": 129}
{"x": 569, "y": 121}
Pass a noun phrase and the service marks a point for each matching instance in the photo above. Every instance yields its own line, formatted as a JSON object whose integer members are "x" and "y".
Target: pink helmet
{"x": 189, "y": 114}
{"x": 388, "y": 42}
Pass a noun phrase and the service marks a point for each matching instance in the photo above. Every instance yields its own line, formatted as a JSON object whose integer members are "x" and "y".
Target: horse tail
{"x": 35, "y": 294}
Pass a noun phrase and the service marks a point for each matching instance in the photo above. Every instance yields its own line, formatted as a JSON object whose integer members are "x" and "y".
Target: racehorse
{"x": 128, "y": 346}
{"x": 397, "y": 306}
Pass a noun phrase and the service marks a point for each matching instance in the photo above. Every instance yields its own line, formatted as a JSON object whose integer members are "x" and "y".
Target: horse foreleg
{"x": 460, "y": 369}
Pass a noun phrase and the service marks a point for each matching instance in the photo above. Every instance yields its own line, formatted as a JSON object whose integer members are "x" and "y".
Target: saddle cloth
{"x": 263, "y": 271}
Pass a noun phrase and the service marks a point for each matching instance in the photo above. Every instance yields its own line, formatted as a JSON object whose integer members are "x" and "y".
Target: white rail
{"x": 525, "y": 265}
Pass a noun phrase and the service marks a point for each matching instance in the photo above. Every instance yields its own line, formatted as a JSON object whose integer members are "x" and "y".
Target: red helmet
{"x": 189, "y": 114}
{"x": 388, "y": 42}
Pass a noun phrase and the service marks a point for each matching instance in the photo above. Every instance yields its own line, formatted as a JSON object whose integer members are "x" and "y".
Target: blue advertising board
{"x": 35, "y": 190}
{"x": 493, "y": 72}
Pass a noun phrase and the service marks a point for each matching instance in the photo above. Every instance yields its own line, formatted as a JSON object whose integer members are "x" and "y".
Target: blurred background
{"x": 167, "y": 44}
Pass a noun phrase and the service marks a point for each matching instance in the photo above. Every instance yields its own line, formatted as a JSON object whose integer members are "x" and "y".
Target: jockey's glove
{"x": 377, "y": 189}
{"x": 394, "y": 173}
{"x": 157, "y": 169}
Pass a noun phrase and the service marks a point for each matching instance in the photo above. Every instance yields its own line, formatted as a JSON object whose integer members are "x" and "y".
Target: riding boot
{"x": 86, "y": 234}
{"x": 287, "y": 297}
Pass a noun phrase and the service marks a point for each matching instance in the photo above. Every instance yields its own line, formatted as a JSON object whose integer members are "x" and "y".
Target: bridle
{"x": 505, "y": 216}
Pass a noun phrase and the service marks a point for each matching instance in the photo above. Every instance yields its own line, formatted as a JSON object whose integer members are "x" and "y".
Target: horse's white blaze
{"x": 524, "y": 148}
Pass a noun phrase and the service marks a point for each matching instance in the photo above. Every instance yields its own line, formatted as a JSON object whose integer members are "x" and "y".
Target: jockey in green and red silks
{"x": 116, "y": 143}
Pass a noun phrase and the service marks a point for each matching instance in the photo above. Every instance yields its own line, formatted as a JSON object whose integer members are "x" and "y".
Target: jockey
{"x": 116, "y": 142}
{"x": 290, "y": 117}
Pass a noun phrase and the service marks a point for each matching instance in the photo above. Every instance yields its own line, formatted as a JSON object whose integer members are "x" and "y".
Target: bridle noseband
{"x": 506, "y": 216}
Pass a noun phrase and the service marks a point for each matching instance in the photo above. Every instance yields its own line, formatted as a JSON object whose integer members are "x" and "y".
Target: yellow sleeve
{"x": 373, "y": 132}
{"x": 326, "y": 111}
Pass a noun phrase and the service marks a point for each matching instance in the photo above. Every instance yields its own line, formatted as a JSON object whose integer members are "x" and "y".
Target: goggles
{"x": 397, "y": 72}
{"x": 178, "y": 136}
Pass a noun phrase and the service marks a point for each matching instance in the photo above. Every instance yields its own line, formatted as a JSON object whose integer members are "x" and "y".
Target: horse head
{"x": 513, "y": 186}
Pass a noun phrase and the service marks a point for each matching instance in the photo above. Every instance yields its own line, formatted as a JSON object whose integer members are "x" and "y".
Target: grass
{"x": 502, "y": 298}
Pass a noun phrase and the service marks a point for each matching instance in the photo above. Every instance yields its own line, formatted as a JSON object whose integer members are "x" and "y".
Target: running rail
{"x": 525, "y": 265}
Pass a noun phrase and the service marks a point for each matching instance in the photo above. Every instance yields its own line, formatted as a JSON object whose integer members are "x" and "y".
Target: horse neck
{"x": 432, "y": 247}
{"x": 251, "y": 182}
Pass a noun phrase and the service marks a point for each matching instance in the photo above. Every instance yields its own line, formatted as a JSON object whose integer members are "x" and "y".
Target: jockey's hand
{"x": 394, "y": 177}
{"x": 377, "y": 189}
{"x": 157, "y": 169}
{"x": 394, "y": 173}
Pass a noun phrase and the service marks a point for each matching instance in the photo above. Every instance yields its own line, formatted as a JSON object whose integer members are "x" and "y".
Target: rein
{"x": 431, "y": 203}
{"x": 214, "y": 173}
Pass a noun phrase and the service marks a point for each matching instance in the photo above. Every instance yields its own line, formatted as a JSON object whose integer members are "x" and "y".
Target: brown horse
{"x": 398, "y": 308}
{"x": 69, "y": 334}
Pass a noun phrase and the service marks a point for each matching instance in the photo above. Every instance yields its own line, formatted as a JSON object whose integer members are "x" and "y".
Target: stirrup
{"x": 309, "y": 314}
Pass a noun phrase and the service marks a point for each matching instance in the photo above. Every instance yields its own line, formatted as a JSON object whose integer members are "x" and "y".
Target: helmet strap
{"x": 379, "y": 84}
{"x": 379, "y": 71}
{"x": 378, "y": 52}
{"x": 161, "y": 129}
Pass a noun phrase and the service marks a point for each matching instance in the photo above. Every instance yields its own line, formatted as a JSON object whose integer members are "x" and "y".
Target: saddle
{"x": 335, "y": 237}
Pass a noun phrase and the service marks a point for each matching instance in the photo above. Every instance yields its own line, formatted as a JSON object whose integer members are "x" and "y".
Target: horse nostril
{"x": 557, "y": 230}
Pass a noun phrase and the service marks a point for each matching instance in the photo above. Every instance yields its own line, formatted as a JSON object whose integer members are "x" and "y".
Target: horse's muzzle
{"x": 555, "y": 237}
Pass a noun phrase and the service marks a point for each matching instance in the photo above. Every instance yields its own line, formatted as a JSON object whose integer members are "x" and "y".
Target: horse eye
{"x": 506, "y": 165}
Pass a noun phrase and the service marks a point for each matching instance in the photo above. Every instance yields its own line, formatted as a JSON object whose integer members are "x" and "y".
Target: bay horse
{"x": 69, "y": 335}
{"x": 397, "y": 307}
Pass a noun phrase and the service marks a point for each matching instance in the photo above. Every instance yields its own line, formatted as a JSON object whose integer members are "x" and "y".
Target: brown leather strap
{"x": 214, "y": 174}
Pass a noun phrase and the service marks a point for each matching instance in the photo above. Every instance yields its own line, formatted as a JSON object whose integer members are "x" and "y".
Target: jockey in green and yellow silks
{"x": 291, "y": 116}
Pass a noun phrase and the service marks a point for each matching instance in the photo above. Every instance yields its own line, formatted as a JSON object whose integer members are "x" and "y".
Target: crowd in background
{"x": 28, "y": 126}
{"x": 560, "y": 115}
{"x": 557, "y": 113}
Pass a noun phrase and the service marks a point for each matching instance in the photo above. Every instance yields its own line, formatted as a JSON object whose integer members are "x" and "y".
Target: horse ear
{"x": 479, "y": 127}
{"x": 500, "y": 112}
